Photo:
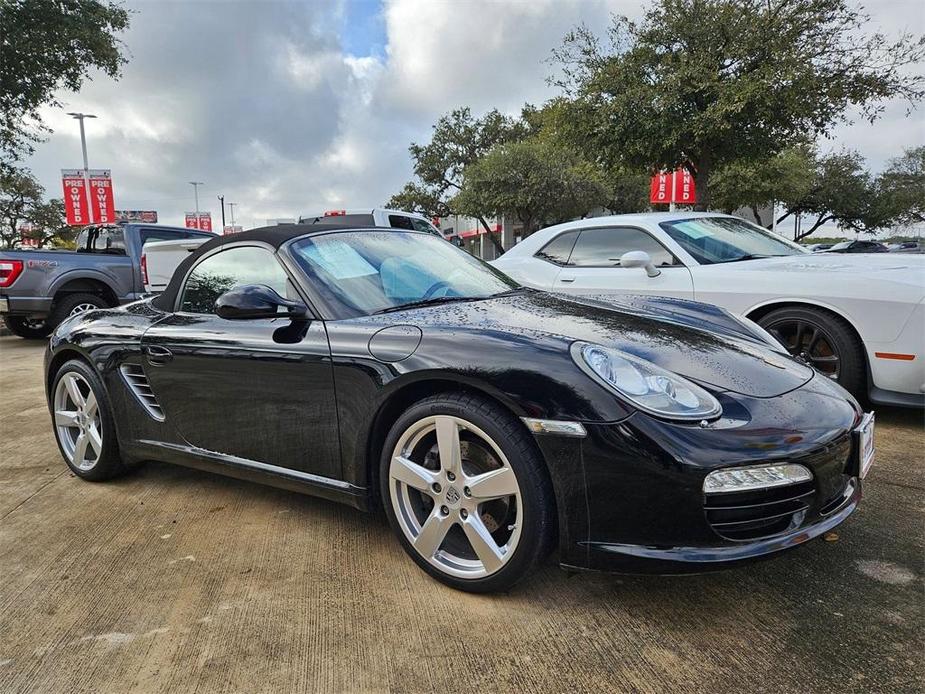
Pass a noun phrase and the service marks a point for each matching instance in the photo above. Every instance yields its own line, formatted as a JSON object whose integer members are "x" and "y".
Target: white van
{"x": 376, "y": 217}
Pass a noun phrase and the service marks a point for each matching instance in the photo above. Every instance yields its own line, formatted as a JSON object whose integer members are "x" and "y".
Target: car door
{"x": 593, "y": 265}
{"x": 257, "y": 389}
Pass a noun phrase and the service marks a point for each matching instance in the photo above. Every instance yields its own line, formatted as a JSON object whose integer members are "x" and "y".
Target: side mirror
{"x": 640, "y": 259}
{"x": 257, "y": 301}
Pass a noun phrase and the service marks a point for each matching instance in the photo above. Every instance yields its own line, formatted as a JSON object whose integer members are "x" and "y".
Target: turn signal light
{"x": 742, "y": 479}
{"x": 9, "y": 271}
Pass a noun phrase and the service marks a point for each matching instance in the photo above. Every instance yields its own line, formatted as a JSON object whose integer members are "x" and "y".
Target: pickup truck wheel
{"x": 72, "y": 304}
{"x": 28, "y": 328}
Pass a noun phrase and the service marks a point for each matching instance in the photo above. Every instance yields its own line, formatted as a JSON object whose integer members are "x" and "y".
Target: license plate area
{"x": 863, "y": 452}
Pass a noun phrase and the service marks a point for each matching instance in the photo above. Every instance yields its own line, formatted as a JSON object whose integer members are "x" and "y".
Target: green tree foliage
{"x": 753, "y": 183}
{"x": 901, "y": 189}
{"x": 49, "y": 224}
{"x": 704, "y": 83}
{"x": 538, "y": 181}
{"x": 458, "y": 141}
{"x": 20, "y": 195}
{"x": 47, "y": 46}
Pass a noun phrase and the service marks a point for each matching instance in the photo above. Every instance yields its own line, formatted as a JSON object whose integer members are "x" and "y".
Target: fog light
{"x": 742, "y": 479}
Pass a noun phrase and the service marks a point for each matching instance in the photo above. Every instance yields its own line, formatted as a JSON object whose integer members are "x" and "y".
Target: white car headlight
{"x": 645, "y": 385}
{"x": 746, "y": 478}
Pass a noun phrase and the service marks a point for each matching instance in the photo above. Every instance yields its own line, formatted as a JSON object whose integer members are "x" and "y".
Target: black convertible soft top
{"x": 275, "y": 236}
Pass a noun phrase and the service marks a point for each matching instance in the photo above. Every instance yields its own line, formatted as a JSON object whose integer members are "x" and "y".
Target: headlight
{"x": 644, "y": 384}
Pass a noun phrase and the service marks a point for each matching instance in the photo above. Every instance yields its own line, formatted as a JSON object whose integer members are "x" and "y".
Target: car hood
{"x": 905, "y": 269}
{"x": 668, "y": 338}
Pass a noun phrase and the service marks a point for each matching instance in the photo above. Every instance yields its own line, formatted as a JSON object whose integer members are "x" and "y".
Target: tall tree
{"x": 20, "y": 195}
{"x": 48, "y": 224}
{"x": 757, "y": 183}
{"x": 901, "y": 189}
{"x": 535, "y": 180}
{"x": 458, "y": 141}
{"x": 702, "y": 83}
{"x": 47, "y": 46}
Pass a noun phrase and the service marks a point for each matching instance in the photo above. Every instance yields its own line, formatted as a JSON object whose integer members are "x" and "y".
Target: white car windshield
{"x": 364, "y": 272}
{"x": 726, "y": 239}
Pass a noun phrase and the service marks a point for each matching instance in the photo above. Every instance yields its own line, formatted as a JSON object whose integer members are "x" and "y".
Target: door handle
{"x": 158, "y": 355}
{"x": 566, "y": 279}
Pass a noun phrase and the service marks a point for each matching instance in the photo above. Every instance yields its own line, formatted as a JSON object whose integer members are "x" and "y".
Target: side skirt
{"x": 253, "y": 471}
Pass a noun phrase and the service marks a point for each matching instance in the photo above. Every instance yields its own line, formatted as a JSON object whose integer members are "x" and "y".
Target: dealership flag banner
{"x": 104, "y": 206}
{"x": 76, "y": 207}
{"x": 674, "y": 187}
{"x": 203, "y": 221}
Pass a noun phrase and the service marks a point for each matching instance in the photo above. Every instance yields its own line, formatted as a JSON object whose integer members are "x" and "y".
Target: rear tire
{"x": 824, "y": 341}
{"x": 83, "y": 423}
{"x": 479, "y": 519}
{"x": 27, "y": 328}
{"x": 72, "y": 304}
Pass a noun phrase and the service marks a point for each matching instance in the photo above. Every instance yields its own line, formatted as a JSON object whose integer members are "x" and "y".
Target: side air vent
{"x": 138, "y": 383}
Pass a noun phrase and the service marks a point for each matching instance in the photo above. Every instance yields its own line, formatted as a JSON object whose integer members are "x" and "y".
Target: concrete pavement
{"x": 176, "y": 580}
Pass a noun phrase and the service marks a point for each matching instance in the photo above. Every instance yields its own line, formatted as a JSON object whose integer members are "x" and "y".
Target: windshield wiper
{"x": 428, "y": 302}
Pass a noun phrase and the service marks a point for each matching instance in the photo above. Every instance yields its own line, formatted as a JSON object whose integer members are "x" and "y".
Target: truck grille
{"x": 137, "y": 382}
{"x": 759, "y": 513}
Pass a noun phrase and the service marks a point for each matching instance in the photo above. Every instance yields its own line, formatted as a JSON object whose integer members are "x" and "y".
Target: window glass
{"x": 228, "y": 269}
{"x": 559, "y": 249}
{"x": 359, "y": 273}
{"x": 101, "y": 240}
{"x": 400, "y": 221}
{"x": 604, "y": 247}
{"x": 164, "y": 235}
{"x": 421, "y": 225}
{"x": 725, "y": 239}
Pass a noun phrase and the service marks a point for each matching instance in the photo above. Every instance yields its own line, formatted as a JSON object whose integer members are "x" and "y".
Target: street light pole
{"x": 231, "y": 205}
{"x": 196, "y": 185}
{"x": 83, "y": 146}
{"x": 221, "y": 199}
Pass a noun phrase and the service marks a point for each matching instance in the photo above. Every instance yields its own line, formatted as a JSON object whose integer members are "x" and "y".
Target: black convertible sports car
{"x": 490, "y": 421}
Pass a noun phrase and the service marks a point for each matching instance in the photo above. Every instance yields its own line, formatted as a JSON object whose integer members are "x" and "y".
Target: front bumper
{"x": 630, "y": 495}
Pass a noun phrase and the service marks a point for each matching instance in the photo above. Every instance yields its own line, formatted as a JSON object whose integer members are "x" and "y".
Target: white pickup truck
{"x": 160, "y": 258}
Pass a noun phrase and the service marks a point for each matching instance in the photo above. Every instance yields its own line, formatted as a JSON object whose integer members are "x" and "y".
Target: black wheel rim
{"x": 809, "y": 342}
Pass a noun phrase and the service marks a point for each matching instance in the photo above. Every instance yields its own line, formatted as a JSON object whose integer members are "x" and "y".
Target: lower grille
{"x": 138, "y": 383}
{"x": 759, "y": 513}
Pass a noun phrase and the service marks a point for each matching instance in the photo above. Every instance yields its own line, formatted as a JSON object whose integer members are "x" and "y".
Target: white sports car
{"x": 859, "y": 319}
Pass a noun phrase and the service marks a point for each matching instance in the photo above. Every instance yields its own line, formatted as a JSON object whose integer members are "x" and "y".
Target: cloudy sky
{"x": 296, "y": 107}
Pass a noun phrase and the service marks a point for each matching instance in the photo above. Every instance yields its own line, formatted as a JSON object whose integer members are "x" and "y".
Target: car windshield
{"x": 363, "y": 272}
{"x": 726, "y": 239}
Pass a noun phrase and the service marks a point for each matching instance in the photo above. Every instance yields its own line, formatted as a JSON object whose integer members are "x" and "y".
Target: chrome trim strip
{"x": 555, "y": 427}
{"x": 234, "y": 461}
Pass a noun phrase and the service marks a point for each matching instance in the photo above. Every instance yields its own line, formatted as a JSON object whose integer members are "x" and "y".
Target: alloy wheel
{"x": 455, "y": 496}
{"x": 82, "y": 308}
{"x": 810, "y": 343}
{"x": 77, "y": 421}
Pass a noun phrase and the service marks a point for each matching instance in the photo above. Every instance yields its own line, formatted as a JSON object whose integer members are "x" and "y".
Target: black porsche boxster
{"x": 492, "y": 423}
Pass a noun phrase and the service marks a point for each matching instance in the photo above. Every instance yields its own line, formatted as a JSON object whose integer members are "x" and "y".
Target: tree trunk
{"x": 702, "y": 183}
{"x": 819, "y": 223}
{"x": 491, "y": 237}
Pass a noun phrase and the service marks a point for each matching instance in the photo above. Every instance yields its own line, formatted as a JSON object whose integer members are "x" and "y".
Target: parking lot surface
{"x": 177, "y": 580}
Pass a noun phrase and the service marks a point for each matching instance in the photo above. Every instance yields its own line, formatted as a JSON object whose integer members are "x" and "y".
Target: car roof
{"x": 274, "y": 236}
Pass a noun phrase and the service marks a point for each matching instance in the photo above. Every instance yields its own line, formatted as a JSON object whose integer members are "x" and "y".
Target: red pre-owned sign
{"x": 202, "y": 220}
{"x": 677, "y": 187}
{"x": 75, "y": 197}
{"x": 104, "y": 206}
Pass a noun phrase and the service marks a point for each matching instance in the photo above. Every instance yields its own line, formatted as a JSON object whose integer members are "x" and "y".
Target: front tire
{"x": 27, "y": 328}
{"x": 466, "y": 492}
{"x": 824, "y": 341}
{"x": 83, "y": 423}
